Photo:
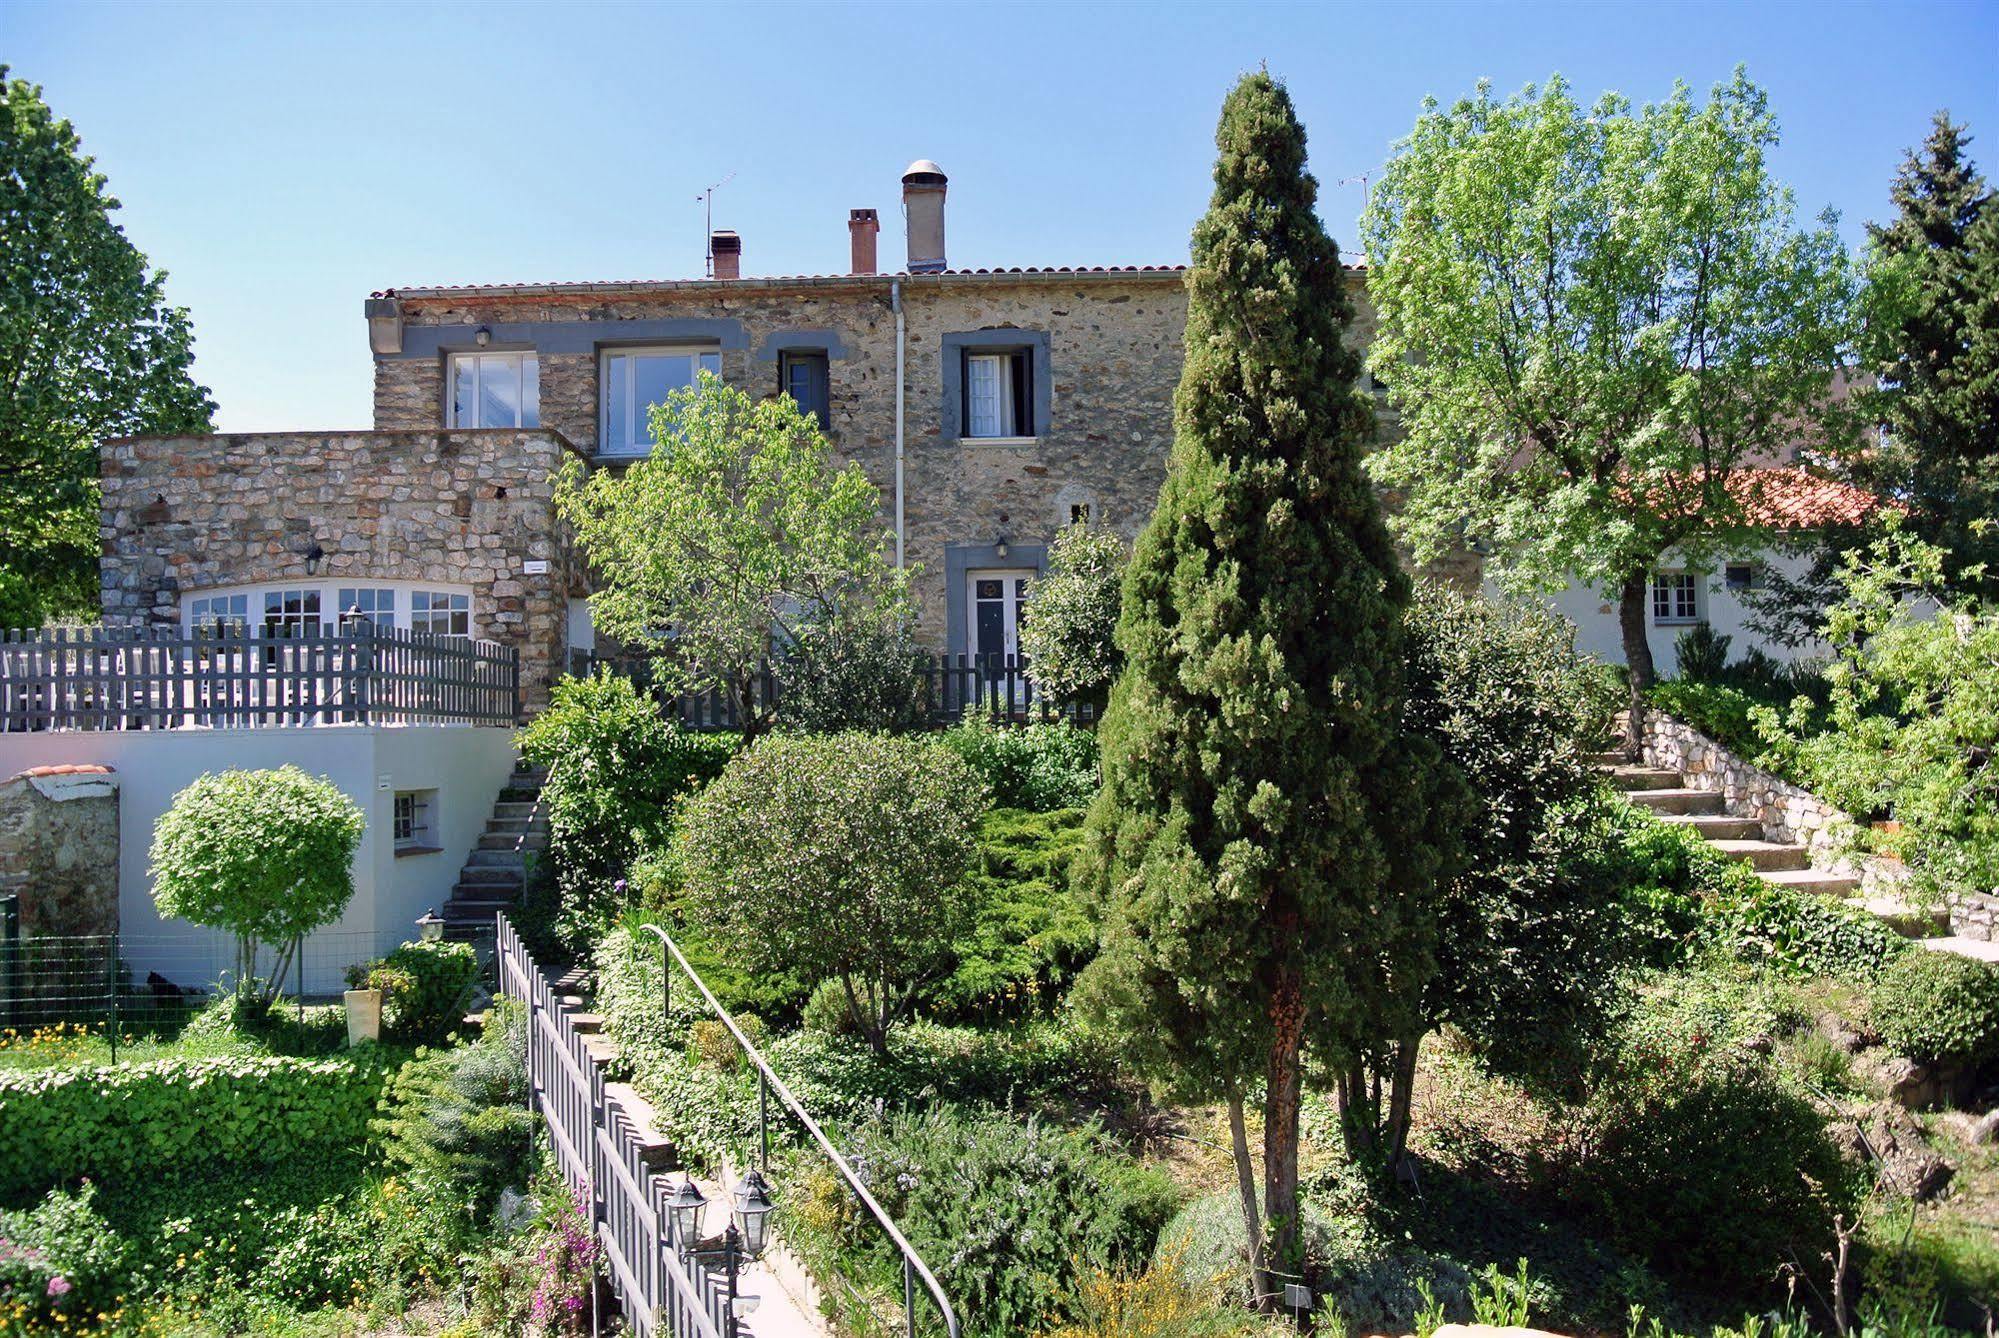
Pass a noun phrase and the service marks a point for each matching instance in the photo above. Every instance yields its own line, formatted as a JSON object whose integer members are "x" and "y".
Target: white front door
{"x": 993, "y": 601}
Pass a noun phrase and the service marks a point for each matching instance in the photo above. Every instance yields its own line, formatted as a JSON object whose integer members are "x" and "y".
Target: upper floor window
{"x": 998, "y": 392}
{"x": 495, "y": 390}
{"x": 634, "y": 380}
{"x": 802, "y": 374}
{"x": 1674, "y": 597}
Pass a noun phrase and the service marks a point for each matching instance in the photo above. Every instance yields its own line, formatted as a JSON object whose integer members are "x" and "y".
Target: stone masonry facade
{"x": 184, "y": 515}
{"x": 59, "y": 849}
{"x": 1113, "y": 348}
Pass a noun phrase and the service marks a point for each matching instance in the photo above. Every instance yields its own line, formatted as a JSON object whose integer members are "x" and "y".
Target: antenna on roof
{"x": 1366, "y": 190}
{"x": 707, "y": 197}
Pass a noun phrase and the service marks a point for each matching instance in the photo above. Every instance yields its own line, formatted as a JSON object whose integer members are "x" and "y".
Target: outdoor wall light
{"x": 752, "y": 1213}
{"x": 684, "y": 1209}
{"x": 999, "y": 547}
{"x": 430, "y": 925}
{"x": 313, "y": 556}
{"x": 483, "y": 337}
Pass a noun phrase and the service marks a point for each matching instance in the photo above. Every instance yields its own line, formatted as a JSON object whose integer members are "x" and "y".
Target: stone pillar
{"x": 59, "y": 849}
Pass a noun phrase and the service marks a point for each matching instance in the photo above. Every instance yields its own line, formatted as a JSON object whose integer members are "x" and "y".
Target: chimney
{"x": 923, "y": 215}
{"x": 728, "y": 250}
{"x": 862, "y": 225}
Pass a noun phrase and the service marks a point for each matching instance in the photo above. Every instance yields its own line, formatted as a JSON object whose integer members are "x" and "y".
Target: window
{"x": 998, "y": 393}
{"x": 1673, "y": 597}
{"x": 1740, "y": 576}
{"x": 1079, "y": 513}
{"x": 495, "y": 390}
{"x": 373, "y": 604}
{"x": 412, "y": 821}
{"x": 214, "y": 613}
{"x": 634, "y": 380}
{"x": 439, "y": 613}
{"x": 802, "y": 374}
{"x": 291, "y": 612}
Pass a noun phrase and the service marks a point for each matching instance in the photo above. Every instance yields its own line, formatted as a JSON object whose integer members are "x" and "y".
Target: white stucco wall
{"x": 465, "y": 765}
{"x": 1597, "y": 632}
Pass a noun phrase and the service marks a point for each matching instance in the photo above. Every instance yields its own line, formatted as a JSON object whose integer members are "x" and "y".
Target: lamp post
{"x": 430, "y": 926}
{"x": 743, "y": 1240}
{"x": 684, "y": 1209}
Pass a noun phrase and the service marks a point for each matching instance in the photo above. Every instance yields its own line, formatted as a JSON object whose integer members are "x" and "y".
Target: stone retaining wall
{"x": 59, "y": 849}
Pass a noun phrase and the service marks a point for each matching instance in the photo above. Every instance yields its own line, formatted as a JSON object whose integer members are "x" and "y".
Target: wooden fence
{"x": 999, "y": 687}
{"x": 124, "y": 678}
{"x": 600, "y": 1157}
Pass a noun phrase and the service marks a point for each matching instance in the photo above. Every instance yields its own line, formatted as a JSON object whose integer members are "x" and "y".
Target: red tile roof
{"x": 615, "y": 285}
{"x": 65, "y": 769}
{"x": 1791, "y": 499}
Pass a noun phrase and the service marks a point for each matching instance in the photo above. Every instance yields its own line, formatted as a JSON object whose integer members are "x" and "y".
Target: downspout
{"x": 895, "y": 303}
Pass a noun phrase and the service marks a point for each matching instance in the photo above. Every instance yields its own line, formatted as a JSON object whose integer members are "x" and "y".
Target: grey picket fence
{"x": 600, "y": 1156}
{"x": 230, "y": 676}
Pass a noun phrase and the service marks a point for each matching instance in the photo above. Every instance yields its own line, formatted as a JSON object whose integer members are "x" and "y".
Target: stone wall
{"x": 1114, "y": 355}
{"x": 59, "y": 849}
{"x": 186, "y": 514}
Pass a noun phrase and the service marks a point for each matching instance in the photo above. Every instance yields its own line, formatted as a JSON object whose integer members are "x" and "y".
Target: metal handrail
{"x": 911, "y": 1260}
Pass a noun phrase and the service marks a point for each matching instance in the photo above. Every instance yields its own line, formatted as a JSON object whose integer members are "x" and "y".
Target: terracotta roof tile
{"x": 1791, "y": 499}
{"x": 1053, "y": 271}
{"x": 64, "y": 769}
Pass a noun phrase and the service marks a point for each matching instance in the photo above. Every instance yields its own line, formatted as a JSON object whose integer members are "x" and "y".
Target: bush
{"x": 59, "y": 1261}
{"x": 459, "y": 1119}
{"x": 1067, "y": 629}
{"x": 826, "y": 1012}
{"x": 1723, "y": 713}
{"x": 1043, "y": 766}
{"x": 854, "y": 673}
{"x": 1031, "y": 936}
{"x": 838, "y": 857}
{"x": 424, "y": 988}
{"x": 1701, "y": 653}
{"x": 1709, "y": 1167}
{"x": 160, "y": 1117}
{"x": 1937, "y": 1007}
{"x": 1009, "y": 1212}
{"x": 266, "y": 855}
{"x": 617, "y": 775}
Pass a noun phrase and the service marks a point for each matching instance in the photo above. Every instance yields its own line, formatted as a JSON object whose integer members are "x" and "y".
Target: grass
{"x": 215, "y": 1031}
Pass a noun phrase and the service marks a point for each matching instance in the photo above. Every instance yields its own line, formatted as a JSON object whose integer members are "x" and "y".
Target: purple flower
{"x": 58, "y": 1285}
{"x": 619, "y": 887}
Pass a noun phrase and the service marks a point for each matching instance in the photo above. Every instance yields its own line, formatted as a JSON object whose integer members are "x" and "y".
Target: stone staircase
{"x": 496, "y": 870}
{"x": 1785, "y": 864}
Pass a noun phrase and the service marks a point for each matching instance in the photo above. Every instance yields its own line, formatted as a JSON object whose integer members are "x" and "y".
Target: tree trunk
{"x": 1637, "y": 659}
{"x": 1283, "y": 1084}
{"x": 1401, "y": 1097}
{"x": 1359, "y": 1119}
{"x": 1245, "y": 1178}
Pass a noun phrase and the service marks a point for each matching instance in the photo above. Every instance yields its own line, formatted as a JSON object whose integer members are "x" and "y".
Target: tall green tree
{"x": 1258, "y": 852}
{"x": 1934, "y": 284}
{"x": 736, "y": 545}
{"x": 89, "y": 349}
{"x": 1593, "y": 319}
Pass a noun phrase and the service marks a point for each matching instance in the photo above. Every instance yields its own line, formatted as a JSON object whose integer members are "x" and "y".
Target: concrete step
{"x": 513, "y": 840}
{"x": 587, "y": 1021}
{"x": 1906, "y": 920}
{"x": 1611, "y": 758}
{"x": 654, "y": 1149}
{"x": 514, "y": 809}
{"x": 519, "y": 794}
{"x": 492, "y": 876}
{"x": 1677, "y": 801}
{"x": 602, "y": 1049}
{"x": 1766, "y": 856}
{"x": 495, "y": 859}
{"x": 484, "y": 894}
{"x": 1645, "y": 778}
{"x": 1976, "y": 948}
{"x": 1717, "y": 827}
{"x": 1814, "y": 882}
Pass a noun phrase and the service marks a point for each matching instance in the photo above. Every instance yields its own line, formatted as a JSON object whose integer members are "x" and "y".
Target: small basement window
{"x": 1674, "y": 597}
{"x": 413, "y": 834}
{"x": 998, "y": 392}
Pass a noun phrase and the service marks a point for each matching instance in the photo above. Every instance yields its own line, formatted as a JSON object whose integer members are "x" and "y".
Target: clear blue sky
{"x": 283, "y": 162}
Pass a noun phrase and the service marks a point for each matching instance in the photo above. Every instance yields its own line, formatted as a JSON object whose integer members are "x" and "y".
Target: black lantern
{"x": 684, "y": 1208}
{"x": 313, "y": 556}
{"x": 752, "y": 1213}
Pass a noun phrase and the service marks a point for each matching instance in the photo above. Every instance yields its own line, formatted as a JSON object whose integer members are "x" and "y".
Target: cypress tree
{"x": 1258, "y": 853}
{"x": 1938, "y": 262}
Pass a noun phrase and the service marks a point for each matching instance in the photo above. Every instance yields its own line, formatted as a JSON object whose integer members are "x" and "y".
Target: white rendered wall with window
{"x": 289, "y": 608}
{"x": 1676, "y": 599}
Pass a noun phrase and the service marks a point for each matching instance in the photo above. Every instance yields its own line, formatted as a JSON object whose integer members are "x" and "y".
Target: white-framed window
{"x": 1740, "y": 576}
{"x": 494, "y": 390}
{"x": 292, "y": 610}
{"x": 440, "y": 613}
{"x": 1675, "y": 597}
{"x": 412, "y": 822}
{"x": 633, "y": 381}
{"x": 208, "y": 613}
{"x": 376, "y": 604}
{"x": 999, "y": 395}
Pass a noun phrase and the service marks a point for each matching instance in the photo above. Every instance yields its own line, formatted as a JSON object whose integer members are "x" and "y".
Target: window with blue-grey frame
{"x": 997, "y": 385}
{"x": 802, "y": 373}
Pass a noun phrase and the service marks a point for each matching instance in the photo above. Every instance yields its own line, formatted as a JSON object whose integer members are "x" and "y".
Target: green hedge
{"x": 173, "y": 1113}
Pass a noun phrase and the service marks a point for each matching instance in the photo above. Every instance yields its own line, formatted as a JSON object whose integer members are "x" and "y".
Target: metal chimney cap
{"x": 923, "y": 172}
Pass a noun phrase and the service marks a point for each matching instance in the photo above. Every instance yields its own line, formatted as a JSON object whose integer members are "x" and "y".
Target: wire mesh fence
{"x": 149, "y": 986}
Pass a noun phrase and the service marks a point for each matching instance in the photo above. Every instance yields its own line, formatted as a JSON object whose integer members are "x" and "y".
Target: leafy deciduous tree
{"x": 733, "y": 535}
{"x": 88, "y": 349}
{"x": 1259, "y": 851}
{"x": 1593, "y": 319}
{"x": 266, "y": 855}
{"x": 1069, "y": 628}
